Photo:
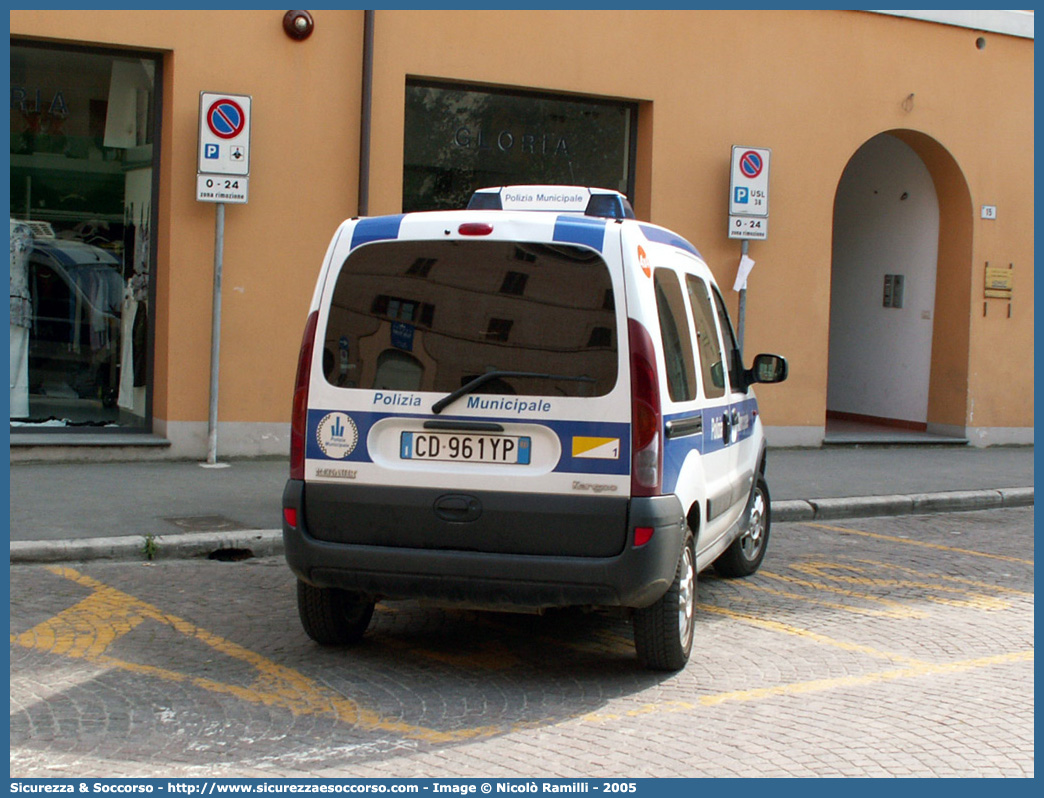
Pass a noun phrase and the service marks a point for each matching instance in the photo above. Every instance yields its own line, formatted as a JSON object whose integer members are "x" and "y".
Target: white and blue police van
{"x": 535, "y": 402}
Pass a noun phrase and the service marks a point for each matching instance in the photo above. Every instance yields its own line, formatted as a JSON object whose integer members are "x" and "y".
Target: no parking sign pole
{"x": 222, "y": 176}
{"x": 748, "y": 214}
{"x": 215, "y": 333}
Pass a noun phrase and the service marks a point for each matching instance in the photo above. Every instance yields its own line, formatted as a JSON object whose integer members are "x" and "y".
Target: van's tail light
{"x": 646, "y": 418}
{"x": 299, "y": 413}
{"x": 642, "y": 534}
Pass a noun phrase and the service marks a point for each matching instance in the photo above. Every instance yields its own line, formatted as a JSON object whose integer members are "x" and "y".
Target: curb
{"x": 241, "y": 544}
{"x": 913, "y": 504}
{"x": 247, "y": 543}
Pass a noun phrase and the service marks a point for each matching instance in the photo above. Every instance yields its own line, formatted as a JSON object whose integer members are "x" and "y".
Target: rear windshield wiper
{"x": 482, "y": 379}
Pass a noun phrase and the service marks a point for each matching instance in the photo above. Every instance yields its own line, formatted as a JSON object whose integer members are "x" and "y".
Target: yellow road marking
{"x": 817, "y": 685}
{"x": 922, "y": 543}
{"x": 89, "y": 628}
{"x": 899, "y": 612}
{"x": 894, "y": 608}
{"x": 946, "y": 578}
{"x": 816, "y": 637}
{"x": 973, "y": 600}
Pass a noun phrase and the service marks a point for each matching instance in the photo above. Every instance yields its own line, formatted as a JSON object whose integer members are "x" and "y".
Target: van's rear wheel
{"x": 333, "y": 617}
{"x": 747, "y": 551}
{"x": 663, "y": 632}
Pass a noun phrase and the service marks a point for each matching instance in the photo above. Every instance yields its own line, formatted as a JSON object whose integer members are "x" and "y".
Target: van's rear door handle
{"x": 458, "y": 508}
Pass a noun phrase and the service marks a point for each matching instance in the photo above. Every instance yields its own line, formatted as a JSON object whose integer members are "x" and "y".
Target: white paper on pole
{"x": 745, "y": 265}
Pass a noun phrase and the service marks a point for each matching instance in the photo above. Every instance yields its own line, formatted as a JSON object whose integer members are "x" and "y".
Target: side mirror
{"x": 767, "y": 368}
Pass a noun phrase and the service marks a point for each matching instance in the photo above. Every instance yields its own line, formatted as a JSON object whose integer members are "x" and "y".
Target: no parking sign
{"x": 223, "y": 168}
{"x": 748, "y": 193}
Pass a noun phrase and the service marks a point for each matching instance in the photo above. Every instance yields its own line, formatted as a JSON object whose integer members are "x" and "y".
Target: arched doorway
{"x": 900, "y": 293}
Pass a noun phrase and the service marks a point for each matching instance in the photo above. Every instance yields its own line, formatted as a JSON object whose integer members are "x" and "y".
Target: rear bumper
{"x": 629, "y": 577}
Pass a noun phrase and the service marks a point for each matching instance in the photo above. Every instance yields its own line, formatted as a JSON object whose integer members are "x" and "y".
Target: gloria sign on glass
{"x": 459, "y": 139}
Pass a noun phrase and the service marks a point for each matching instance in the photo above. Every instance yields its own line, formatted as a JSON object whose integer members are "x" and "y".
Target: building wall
{"x": 813, "y": 86}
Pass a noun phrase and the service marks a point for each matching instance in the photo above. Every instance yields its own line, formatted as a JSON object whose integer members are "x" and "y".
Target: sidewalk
{"x": 64, "y": 512}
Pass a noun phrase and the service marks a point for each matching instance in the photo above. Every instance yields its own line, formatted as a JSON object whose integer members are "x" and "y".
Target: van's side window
{"x": 732, "y": 349}
{"x": 711, "y": 364}
{"x": 677, "y": 344}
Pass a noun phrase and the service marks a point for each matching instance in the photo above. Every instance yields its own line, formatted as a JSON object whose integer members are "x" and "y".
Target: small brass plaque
{"x": 999, "y": 279}
{"x": 999, "y": 282}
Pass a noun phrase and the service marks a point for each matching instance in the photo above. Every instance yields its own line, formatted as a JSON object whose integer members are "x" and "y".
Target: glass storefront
{"x": 84, "y": 143}
{"x": 458, "y": 139}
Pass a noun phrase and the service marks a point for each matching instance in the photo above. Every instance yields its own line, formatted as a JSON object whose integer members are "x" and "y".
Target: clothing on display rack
{"x": 21, "y": 318}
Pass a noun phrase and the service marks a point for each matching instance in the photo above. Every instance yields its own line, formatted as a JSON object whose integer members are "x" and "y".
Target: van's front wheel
{"x": 333, "y": 617}
{"x": 663, "y": 632}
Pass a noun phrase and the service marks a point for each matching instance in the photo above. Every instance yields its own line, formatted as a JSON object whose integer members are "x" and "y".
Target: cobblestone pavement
{"x": 884, "y": 647}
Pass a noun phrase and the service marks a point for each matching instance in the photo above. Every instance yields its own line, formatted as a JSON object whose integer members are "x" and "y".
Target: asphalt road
{"x": 874, "y": 647}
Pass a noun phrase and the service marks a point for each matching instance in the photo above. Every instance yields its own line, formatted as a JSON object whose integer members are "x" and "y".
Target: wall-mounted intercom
{"x": 893, "y": 290}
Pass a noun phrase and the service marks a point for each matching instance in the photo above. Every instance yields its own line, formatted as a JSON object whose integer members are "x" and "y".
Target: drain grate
{"x": 204, "y": 523}
{"x": 231, "y": 555}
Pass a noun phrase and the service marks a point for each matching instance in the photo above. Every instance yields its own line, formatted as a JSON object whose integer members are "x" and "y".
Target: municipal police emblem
{"x": 337, "y": 435}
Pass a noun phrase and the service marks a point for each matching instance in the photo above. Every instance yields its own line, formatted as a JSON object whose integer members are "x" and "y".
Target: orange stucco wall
{"x": 811, "y": 85}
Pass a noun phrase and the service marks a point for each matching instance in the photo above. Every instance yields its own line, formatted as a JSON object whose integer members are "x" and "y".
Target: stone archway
{"x": 902, "y": 208}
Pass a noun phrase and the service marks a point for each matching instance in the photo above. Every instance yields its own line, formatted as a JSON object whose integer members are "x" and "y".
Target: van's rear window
{"x": 434, "y": 315}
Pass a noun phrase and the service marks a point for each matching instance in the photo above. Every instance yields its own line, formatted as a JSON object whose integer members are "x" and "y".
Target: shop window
{"x": 458, "y": 139}
{"x": 83, "y": 148}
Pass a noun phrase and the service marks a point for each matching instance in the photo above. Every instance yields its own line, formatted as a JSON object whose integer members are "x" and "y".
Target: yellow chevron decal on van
{"x": 597, "y": 448}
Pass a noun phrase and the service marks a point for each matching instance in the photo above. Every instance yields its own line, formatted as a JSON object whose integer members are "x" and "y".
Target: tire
{"x": 663, "y": 632}
{"x": 333, "y": 617}
{"x": 747, "y": 551}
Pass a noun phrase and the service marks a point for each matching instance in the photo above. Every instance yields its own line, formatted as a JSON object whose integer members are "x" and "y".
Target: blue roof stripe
{"x": 377, "y": 228}
{"x": 584, "y": 230}
{"x": 660, "y": 236}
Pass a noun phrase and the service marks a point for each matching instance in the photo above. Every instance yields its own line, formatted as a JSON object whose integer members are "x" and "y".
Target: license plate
{"x": 461, "y": 448}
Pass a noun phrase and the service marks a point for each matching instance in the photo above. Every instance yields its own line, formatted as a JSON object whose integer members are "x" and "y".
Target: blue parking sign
{"x": 211, "y": 151}
{"x": 402, "y": 336}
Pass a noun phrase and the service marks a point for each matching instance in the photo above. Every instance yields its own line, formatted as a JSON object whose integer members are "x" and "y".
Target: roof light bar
{"x": 581, "y": 200}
